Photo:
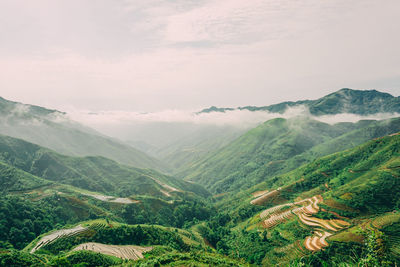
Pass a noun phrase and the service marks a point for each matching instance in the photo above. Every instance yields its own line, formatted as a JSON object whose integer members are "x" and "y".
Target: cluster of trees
{"x": 179, "y": 214}
{"x": 193, "y": 258}
{"x": 85, "y": 258}
{"x": 251, "y": 246}
{"x": 22, "y": 220}
{"x": 19, "y": 258}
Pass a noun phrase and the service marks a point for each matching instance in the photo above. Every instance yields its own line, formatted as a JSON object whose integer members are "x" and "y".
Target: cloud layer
{"x": 238, "y": 118}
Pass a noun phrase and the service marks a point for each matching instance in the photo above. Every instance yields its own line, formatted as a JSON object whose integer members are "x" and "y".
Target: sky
{"x": 154, "y": 55}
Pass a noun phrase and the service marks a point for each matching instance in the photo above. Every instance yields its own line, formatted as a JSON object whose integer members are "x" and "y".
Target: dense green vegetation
{"x": 279, "y": 146}
{"x": 365, "y": 175}
{"x": 22, "y": 220}
{"x": 178, "y": 214}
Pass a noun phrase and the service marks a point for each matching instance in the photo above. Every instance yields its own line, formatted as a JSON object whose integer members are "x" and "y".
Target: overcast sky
{"x": 151, "y": 55}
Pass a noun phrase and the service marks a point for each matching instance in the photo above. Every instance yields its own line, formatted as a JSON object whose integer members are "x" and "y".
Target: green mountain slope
{"x": 92, "y": 173}
{"x": 359, "y": 185}
{"x": 52, "y": 129}
{"x": 43, "y": 190}
{"x": 14, "y": 180}
{"x": 279, "y": 146}
{"x": 341, "y": 208}
{"x": 361, "y": 102}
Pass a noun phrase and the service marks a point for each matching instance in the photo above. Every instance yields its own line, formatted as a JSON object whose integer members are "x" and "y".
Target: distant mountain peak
{"x": 345, "y": 100}
{"x": 214, "y": 109}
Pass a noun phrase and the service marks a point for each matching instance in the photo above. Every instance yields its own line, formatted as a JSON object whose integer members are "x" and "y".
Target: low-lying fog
{"x": 165, "y": 127}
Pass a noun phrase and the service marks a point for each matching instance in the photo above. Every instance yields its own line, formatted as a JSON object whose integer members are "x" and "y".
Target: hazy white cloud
{"x": 239, "y": 118}
{"x": 347, "y": 117}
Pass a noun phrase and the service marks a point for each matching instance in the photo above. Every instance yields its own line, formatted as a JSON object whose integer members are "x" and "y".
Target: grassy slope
{"x": 279, "y": 146}
{"x": 92, "y": 173}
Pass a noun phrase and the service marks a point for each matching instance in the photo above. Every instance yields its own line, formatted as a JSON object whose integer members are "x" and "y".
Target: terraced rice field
{"x": 123, "y": 252}
{"x": 277, "y": 219}
{"x": 264, "y": 197}
{"x": 56, "y": 235}
{"x": 279, "y": 214}
{"x": 304, "y": 210}
{"x": 120, "y": 200}
{"x": 332, "y": 225}
{"x": 317, "y": 241}
{"x": 386, "y": 219}
{"x": 259, "y": 193}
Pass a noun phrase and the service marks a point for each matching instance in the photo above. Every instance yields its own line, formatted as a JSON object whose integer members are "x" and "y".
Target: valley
{"x": 289, "y": 192}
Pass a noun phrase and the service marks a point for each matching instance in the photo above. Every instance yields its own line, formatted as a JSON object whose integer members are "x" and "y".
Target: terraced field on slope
{"x": 47, "y": 239}
{"x": 304, "y": 211}
{"x": 123, "y": 252}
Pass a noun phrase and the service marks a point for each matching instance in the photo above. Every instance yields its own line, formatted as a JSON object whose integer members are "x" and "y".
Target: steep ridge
{"x": 54, "y": 130}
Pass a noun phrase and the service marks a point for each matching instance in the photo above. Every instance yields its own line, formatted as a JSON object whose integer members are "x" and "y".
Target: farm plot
{"x": 304, "y": 210}
{"x": 259, "y": 193}
{"x": 277, "y": 219}
{"x": 56, "y": 235}
{"x": 120, "y": 200}
{"x": 123, "y": 252}
{"x": 317, "y": 241}
{"x": 386, "y": 219}
{"x": 280, "y": 213}
{"x": 264, "y": 197}
{"x": 332, "y": 225}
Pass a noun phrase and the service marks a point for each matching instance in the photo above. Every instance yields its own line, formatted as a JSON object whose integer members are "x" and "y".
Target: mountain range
{"x": 290, "y": 191}
{"x": 361, "y": 102}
